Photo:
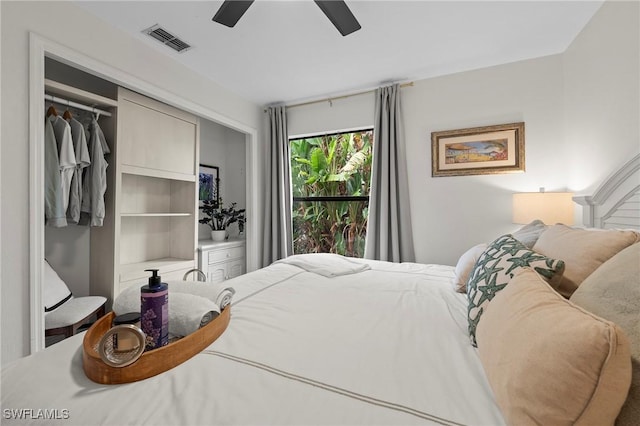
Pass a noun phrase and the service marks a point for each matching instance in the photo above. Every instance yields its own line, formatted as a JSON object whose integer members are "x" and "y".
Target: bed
{"x": 322, "y": 339}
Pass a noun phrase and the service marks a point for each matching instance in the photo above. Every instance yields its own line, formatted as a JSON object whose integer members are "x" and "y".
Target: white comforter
{"x": 386, "y": 345}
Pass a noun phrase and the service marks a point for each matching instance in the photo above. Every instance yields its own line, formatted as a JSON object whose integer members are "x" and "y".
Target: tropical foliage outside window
{"x": 330, "y": 178}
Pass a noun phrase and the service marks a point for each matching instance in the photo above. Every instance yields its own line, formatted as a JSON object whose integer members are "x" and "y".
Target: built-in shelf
{"x": 156, "y": 191}
{"x": 59, "y": 89}
{"x": 149, "y": 172}
{"x": 155, "y": 214}
{"x": 133, "y": 271}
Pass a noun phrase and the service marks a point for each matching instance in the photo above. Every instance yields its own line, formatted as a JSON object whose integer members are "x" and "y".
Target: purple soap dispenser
{"x": 154, "y": 311}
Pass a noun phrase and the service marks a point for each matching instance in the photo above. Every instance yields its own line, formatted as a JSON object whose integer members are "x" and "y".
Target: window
{"x": 330, "y": 179}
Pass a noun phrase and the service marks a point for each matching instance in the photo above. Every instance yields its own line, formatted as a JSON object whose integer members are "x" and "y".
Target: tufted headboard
{"x": 616, "y": 203}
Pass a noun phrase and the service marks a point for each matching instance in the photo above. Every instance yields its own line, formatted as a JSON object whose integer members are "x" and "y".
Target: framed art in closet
{"x": 208, "y": 182}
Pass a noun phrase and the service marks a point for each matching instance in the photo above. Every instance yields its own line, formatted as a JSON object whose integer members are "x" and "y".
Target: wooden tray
{"x": 150, "y": 363}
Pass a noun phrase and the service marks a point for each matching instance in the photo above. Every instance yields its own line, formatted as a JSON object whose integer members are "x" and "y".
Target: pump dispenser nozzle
{"x": 154, "y": 280}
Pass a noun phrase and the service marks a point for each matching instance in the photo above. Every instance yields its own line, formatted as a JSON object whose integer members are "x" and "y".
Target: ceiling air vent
{"x": 165, "y": 37}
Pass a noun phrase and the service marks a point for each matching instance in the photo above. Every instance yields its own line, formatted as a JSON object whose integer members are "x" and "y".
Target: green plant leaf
{"x": 318, "y": 161}
{"x": 340, "y": 177}
{"x": 332, "y": 150}
{"x": 302, "y": 160}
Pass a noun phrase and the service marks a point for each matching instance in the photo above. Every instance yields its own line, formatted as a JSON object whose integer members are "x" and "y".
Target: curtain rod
{"x": 334, "y": 98}
{"x": 76, "y": 105}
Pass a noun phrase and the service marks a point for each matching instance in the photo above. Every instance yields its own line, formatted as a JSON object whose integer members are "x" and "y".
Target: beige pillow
{"x": 613, "y": 292}
{"x": 465, "y": 266}
{"x": 582, "y": 250}
{"x": 549, "y": 362}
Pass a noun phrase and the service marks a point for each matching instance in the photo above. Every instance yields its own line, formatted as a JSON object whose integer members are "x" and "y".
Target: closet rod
{"x": 76, "y": 105}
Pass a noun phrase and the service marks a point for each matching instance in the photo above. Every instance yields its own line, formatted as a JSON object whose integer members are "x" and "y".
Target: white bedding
{"x": 387, "y": 345}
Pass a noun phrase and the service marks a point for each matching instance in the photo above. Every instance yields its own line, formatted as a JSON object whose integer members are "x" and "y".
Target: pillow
{"x": 550, "y": 362}
{"x": 582, "y": 250}
{"x": 54, "y": 291}
{"x": 529, "y": 234}
{"x": 495, "y": 268}
{"x": 465, "y": 265}
{"x": 613, "y": 292}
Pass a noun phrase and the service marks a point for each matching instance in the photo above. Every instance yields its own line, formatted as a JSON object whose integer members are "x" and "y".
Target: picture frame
{"x": 478, "y": 150}
{"x": 208, "y": 183}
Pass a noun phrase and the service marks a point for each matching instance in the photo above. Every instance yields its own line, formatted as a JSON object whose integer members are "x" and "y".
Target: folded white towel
{"x": 218, "y": 292}
{"x": 191, "y": 304}
{"x": 326, "y": 264}
{"x": 188, "y": 312}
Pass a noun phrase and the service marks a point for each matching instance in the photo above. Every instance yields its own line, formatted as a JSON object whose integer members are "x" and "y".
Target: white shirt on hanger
{"x": 94, "y": 185}
{"x": 66, "y": 157}
{"x": 83, "y": 160}
{"x": 54, "y": 212}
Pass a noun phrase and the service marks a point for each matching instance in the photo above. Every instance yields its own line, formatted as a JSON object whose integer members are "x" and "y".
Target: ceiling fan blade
{"x": 231, "y": 11}
{"x": 340, "y": 15}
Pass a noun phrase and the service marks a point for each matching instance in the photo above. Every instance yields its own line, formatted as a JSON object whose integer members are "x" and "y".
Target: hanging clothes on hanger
{"x": 54, "y": 212}
{"x": 83, "y": 161}
{"x": 94, "y": 184}
{"x": 66, "y": 156}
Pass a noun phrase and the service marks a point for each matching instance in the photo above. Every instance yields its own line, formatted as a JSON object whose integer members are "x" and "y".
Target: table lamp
{"x": 549, "y": 207}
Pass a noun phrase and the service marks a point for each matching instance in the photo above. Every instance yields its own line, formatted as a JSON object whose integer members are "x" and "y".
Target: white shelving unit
{"x": 156, "y": 210}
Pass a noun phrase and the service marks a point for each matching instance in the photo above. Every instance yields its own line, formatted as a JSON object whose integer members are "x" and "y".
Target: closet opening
{"x": 79, "y": 253}
{"x": 80, "y": 107}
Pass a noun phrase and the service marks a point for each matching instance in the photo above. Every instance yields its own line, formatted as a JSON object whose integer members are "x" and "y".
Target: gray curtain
{"x": 389, "y": 234}
{"x": 278, "y": 235}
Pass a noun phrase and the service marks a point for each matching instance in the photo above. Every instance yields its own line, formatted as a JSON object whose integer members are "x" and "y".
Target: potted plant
{"x": 219, "y": 218}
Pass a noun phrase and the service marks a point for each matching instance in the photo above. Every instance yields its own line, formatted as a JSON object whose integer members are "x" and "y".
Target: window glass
{"x": 330, "y": 179}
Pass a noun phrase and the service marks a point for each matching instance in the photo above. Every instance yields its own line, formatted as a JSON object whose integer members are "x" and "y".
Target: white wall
{"x": 224, "y": 148}
{"x": 580, "y": 111}
{"x": 602, "y": 85}
{"x": 450, "y": 214}
{"x": 68, "y": 25}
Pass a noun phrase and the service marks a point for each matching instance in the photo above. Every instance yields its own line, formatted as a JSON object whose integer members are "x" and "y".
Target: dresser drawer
{"x": 225, "y": 254}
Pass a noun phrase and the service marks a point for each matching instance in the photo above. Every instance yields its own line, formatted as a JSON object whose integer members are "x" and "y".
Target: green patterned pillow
{"x": 495, "y": 267}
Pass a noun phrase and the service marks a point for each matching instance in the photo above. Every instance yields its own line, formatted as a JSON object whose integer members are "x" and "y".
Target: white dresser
{"x": 222, "y": 260}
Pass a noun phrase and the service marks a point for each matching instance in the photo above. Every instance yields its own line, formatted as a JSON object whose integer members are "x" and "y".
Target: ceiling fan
{"x": 336, "y": 10}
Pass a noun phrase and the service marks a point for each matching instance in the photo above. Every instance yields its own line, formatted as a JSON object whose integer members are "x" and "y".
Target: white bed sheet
{"x": 388, "y": 345}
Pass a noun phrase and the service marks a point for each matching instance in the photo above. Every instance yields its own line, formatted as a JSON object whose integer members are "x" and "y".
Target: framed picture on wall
{"x": 478, "y": 150}
{"x": 208, "y": 183}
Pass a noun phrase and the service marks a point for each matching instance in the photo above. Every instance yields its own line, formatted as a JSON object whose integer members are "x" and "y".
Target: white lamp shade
{"x": 549, "y": 207}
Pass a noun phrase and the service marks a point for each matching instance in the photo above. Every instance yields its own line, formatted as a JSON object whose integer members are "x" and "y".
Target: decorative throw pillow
{"x": 583, "y": 250}
{"x": 550, "y": 362}
{"x": 529, "y": 234}
{"x": 465, "y": 266}
{"x": 495, "y": 268}
{"x": 613, "y": 292}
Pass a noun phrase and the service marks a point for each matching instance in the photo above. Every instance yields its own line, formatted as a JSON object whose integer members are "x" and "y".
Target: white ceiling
{"x": 288, "y": 51}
